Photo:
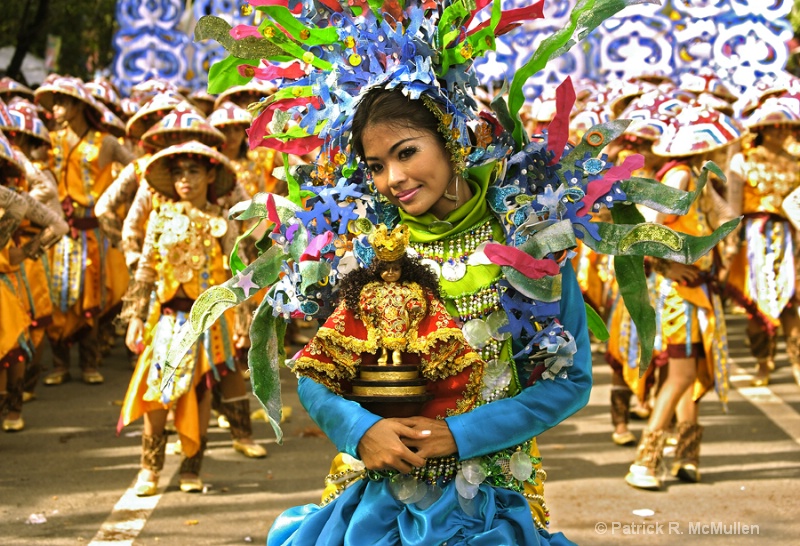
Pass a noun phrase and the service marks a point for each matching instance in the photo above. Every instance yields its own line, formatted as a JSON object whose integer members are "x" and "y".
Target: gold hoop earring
{"x": 450, "y": 196}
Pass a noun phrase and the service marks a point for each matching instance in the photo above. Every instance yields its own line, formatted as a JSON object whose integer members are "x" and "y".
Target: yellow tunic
{"x": 184, "y": 269}
{"x": 88, "y": 277}
{"x": 13, "y": 316}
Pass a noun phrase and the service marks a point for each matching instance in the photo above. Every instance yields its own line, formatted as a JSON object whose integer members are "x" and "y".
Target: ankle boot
{"x": 153, "y": 450}
{"x": 89, "y": 355}
{"x": 61, "y": 364}
{"x": 620, "y": 406}
{"x": 687, "y": 452}
{"x": 13, "y": 403}
{"x": 238, "y": 414}
{"x": 647, "y": 471}
{"x": 191, "y": 465}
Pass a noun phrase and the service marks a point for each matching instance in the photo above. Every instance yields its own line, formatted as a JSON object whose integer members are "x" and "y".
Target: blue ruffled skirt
{"x": 367, "y": 513}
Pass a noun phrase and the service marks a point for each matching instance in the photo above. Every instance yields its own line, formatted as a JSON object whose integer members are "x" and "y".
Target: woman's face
{"x": 65, "y": 108}
{"x": 191, "y": 178}
{"x": 411, "y": 167}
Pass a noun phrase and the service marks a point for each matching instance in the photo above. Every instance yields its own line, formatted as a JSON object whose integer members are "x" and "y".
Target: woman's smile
{"x": 411, "y": 167}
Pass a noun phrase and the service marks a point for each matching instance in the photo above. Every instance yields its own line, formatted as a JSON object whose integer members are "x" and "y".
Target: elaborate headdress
{"x": 341, "y": 50}
{"x": 389, "y": 246}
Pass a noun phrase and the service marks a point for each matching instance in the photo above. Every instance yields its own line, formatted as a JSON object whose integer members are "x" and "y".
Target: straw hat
{"x": 203, "y": 101}
{"x": 593, "y": 113}
{"x": 104, "y": 91}
{"x": 129, "y": 107}
{"x": 25, "y": 118}
{"x": 696, "y": 130}
{"x": 183, "y": 123}
{"x": 7, "y": 156}
{"x": 766, "y": 86}
{"x": 73, "y": 87}
{"x": 230, "y": 114}
{"x": 243, "y": 95}
{"x": 10, "y": 88}
{"x": 715, "y": 103}
{"x": 146, "y": 90}
{"x": 6, "y": 123}
{"x": 158, "y": 172}
{"x": 780, "y": 110}
{"x": 621, "y": 92}
{"x": 705, "y": 80}
{"x": 150, "y": 112}
{"x": 650, "y": 114}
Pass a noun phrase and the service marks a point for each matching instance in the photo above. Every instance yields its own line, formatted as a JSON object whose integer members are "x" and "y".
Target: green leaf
{"x": 596, "y": 324}
{"x": 633, "y": 288}
{"x": 585, "y": 17}
{"x": 224, "y": 74}
{"x": 215, "y": 28}
{"x": 264, "y": 358}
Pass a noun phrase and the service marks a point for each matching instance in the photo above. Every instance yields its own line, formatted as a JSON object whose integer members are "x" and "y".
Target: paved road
{"x": 64, "y": 480}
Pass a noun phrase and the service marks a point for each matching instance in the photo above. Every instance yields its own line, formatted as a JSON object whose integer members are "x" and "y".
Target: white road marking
{"x": 776, "y": 410}
{"x": 128, "y": 518}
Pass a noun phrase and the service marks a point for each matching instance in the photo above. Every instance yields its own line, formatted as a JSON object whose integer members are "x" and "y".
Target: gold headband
{"x": 458, "y": 153}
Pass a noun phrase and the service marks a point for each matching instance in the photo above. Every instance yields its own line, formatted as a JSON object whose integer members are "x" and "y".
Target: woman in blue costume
{"x": 383, "y": 90}
{"x": 410, "y": 165}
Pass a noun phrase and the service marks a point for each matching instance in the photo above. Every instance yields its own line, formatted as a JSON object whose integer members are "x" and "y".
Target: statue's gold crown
{"x": 389, "y": 246}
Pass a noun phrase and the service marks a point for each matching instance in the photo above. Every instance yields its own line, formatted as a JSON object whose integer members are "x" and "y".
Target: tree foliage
{"x": 86, "y": 29}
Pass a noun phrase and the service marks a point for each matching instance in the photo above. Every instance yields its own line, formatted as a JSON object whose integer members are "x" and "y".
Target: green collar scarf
{"x": 464, "y": 217}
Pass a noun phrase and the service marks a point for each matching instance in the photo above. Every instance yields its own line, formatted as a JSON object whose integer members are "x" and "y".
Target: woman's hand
{"x": 133, "y": 337}
{"x": 383, "y": 446}
{"x": 436, "y": 441}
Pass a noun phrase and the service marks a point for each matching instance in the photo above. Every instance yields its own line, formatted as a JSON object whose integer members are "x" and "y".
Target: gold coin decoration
{"x": 184, "y": 237}
{"x": 217, "y": 227}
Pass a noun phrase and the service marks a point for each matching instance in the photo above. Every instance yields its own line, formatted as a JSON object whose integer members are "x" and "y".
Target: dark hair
{"x": 411, "y": 271}
{"x": 391, "y": 106}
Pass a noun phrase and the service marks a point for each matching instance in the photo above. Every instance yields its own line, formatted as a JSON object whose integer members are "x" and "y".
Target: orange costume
{"x": 184, "y": 250}
{"x": 81, "y": 263}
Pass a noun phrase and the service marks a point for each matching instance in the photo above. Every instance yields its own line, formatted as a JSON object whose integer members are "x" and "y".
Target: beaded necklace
{"x": 449, "y": 257}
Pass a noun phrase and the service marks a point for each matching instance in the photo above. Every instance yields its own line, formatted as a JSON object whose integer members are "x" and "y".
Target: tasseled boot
{"x": 620, "y": 406}
{"x": 687, "y": 452}
{"x": 153, "y": 450}
{"x": 647, "y": 471}
{"x": 192, "y": 465}
{"x": 238, "y": 412}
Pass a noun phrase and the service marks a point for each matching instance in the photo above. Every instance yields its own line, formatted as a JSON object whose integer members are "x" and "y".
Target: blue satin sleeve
{"x": 512, "y": 421}
{"x": 343, "y": 421}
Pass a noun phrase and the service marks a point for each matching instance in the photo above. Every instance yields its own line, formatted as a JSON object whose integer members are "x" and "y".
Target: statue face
{"x": 391, "y": 272}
